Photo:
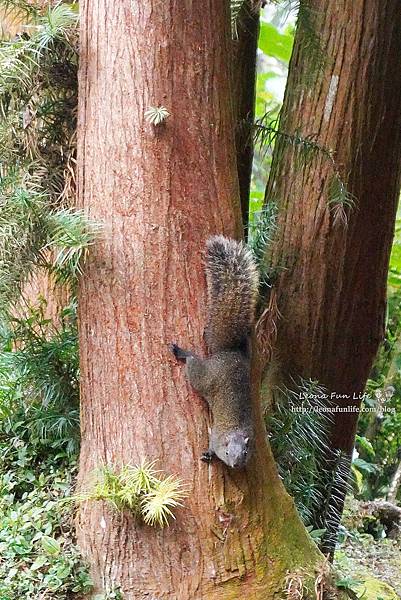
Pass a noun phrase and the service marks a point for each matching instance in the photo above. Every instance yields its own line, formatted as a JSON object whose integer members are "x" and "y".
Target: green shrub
{"x": 36, "y": 534}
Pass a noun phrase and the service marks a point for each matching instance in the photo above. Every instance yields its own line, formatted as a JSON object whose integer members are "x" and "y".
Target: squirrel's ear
{"x": 246, "y": 440}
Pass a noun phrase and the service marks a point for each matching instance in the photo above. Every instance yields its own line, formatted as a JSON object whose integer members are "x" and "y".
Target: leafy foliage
{"x": 39, "y": 377}
{"x": 273, "y": 42}
{"x": 363, "y": 552}
{"x": 297, "y": 426}
{"x": 36, "y": 536}
{"x": 38, "y": 100}
{"x": 33, "y": 236}
{"x": 39, "y": 233}
{"x": 139, "y": 489}
{"x": 38, "y": 358}
{"x": 38, "y": 103}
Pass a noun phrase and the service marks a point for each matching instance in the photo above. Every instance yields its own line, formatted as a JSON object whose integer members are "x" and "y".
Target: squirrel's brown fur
{"x": 223, "y": 378}
{"x": 232, "y": 283}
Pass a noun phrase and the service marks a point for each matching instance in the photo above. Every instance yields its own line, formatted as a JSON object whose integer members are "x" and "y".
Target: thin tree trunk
{"x": 244, "y": 90}
{"x": 394, "y": 485}
{"x": 160, "y": 192}
{"x": 56, "y": 296}
{"x": 331, "y": 281}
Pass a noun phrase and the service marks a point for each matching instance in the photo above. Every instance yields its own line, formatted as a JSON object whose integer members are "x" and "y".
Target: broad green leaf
{"x": 39, "y": 562}
{"x": 50, "y": 545}
{"x": 273, "y": 43}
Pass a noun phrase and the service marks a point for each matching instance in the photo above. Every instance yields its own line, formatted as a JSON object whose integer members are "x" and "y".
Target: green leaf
{"x": 365, "y": 467}
{"x": 50, "y": 545}
{"x": 365, "y": 445}
{"x": 276, "y": 44}
{"x": 316, "y": 534}
{"x": 39, "y": 562}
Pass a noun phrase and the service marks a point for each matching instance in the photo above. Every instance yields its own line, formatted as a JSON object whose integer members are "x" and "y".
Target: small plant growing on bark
{"x": 156, "y": 115}
{"x": 141, "y": 489}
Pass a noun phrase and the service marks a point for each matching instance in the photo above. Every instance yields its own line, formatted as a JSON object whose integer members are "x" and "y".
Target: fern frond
{"x": 298, "y": 436}
{"x": 141, "y": 489}
{"x": 307, "y": 148}
{"x": 157, "y": 505}
{"x": 261, "y": 231}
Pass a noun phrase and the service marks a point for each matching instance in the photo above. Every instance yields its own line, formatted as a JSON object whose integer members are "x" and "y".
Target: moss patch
{"x": 371, "y": 588}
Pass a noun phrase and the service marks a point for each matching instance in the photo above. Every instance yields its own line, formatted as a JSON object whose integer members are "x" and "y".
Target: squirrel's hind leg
{"x": 196, "y": 368}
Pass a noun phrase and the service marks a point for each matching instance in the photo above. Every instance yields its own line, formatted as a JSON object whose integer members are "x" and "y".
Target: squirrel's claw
{"x": 173, "y": 348}
{"x": 207, "y": 456}
{"x": 179, "y": 353}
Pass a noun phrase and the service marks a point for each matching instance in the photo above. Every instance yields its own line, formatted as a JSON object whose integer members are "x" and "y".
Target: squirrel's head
{"x": 235, "y": 451}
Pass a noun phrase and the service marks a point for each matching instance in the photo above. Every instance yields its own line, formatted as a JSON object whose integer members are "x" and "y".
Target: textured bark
{"x": 160, "y": 192}
{"x": 331, "y": 282}
{"x": 244, "y": 90}
{"x": 56, "y": 296}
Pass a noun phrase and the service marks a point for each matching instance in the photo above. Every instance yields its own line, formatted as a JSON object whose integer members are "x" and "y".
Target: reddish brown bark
{"x": 332, "y": 277}
{"x": 160, "y": 192}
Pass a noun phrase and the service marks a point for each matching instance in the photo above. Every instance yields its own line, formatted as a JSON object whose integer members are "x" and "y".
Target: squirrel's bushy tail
{"x": 232, "y": 281}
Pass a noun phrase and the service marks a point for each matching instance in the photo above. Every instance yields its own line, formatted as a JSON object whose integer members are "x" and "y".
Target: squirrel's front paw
{"x": 179, "y": 353}
{"x": 174, "y": 349}
{"x": 207, "y": 456}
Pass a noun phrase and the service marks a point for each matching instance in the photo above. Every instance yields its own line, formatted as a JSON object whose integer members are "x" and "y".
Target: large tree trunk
{"x": 160, "y": 192}
{"x": 331, "y": 282}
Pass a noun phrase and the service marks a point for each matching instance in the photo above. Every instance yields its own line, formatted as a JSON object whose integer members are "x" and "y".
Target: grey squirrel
{"x": 223, "y": 378}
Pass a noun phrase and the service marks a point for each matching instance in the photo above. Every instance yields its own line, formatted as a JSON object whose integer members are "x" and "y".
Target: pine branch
{"x": 261, "y": 231}
{"x": 298, "y": 436}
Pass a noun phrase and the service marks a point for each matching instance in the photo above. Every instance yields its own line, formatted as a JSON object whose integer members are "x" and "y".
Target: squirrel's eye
{"x": 226, "y": 452}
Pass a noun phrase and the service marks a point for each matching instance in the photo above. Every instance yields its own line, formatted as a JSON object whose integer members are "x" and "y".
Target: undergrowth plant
{"x": 141, "y": 489}
{"x": 298, "y": 437}
{"x": 312, "y": 472}
{"x": 39, "y": 373}
{"x": 38, "y": 556}
{"x": 41, "y": 233}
